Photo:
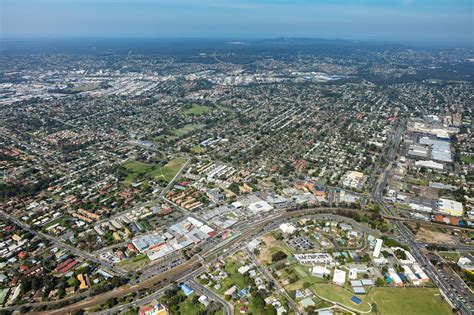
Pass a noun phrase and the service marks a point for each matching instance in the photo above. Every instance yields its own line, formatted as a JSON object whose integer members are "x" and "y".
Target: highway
{"x": 440, "y": 282}
{"x": 251, "y": 231}
{"x": 184, "y": 271}
{"x": 407, "y": 237}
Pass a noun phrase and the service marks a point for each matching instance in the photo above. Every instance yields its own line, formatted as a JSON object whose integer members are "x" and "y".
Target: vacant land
{"x": 140, "y": 170}
{"x": 135, "y": 169}
{"x": 418, "y": 181}
{"x": 168, "y": 171}
{"x": 135, "y": 263}
{"x": 432, "y": 236}
{"x": 191, "y": 308}
{"x": 300, "y": 284}
{"x": 197, "y": 110}
{"x": 63, "y": 221}
{"x": 450, "y": 256}
{"x": 272, "y": 246}
{"x": 198, "y": 149}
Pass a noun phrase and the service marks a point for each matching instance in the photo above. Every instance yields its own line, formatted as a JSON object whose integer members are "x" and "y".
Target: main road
{"x": 248, "y": 232}
{"x": 405, "y": 235}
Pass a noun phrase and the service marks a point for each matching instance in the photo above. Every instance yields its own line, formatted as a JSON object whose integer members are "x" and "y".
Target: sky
{"x": 424, "y": 21}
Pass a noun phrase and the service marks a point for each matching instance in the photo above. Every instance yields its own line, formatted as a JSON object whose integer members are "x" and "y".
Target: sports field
{"x": 388, "y": 300}
{"x": 408, "y": 300}
{"x": 197, "y": 110}
{"x": 168, "y": 171}
{"x": 186, "y": 129}
{"x": 137, "y": 169}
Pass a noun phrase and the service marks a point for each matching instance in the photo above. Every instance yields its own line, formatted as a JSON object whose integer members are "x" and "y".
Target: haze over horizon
{"x": 405, "y": 21}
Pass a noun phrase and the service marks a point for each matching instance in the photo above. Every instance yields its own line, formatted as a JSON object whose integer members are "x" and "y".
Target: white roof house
{"x": 203, "y": 300}
{"x": 243, "y": 269}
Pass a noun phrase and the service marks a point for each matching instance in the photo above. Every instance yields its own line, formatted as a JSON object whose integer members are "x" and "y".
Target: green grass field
{"x": 197, "y": 110}
{"x": 418, "y": 181}
{"x": 388, "y": 301}
{"x": 186, "y": 129}
{"x": 418, "y": 301}
{"x": 134, "y": 168}
{"x": 467, "y": 159}
{"x": 135, "y": 263}
{"x": 62, "y": 221}
{"x": 198, "y": 149}
{"x": 168, "y": 171}
{"x": 297, "y": 285}
{"x": 341, "y": 295}
{"x": 234, "y": 277}
{"x": 450, "y": 256}
{"x": 188, "y": 307}
{"x": 301, "y": 271}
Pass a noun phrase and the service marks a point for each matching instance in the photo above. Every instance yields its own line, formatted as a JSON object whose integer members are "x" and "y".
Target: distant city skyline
{"x": 405, "y": 21}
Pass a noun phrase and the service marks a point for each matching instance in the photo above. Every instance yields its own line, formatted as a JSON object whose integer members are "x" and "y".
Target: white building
{"x": 465, "y": 263}
{"x": 287, "y": 228}
{"x": 378, "y": 247}
{"x": 314, "y": 258}
{"x": 339, "y": 277}
{"x": 352, "y": 273}
{"x": 450, "y": 207}
{"x": 319, "y": 271}
{"x": 395, "y": 277}
{"x": 260, "y": 206}
{"x": 430, "y": 164}
{"x": 203, "y": 300}
{"x": 411, "y": 276}
{"x": 243, "y": 269}
{"x": 420, "y": 273}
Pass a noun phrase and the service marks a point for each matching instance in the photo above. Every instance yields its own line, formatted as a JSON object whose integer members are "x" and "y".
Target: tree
{"x": 379, "y": 282}
{"x": 258, "y": 301}
{"x": 374, "y": 308}
{"x": 279, "y": 256}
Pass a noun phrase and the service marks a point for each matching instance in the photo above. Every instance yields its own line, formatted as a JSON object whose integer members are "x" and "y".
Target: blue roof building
{"x": 187, "y": 290}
